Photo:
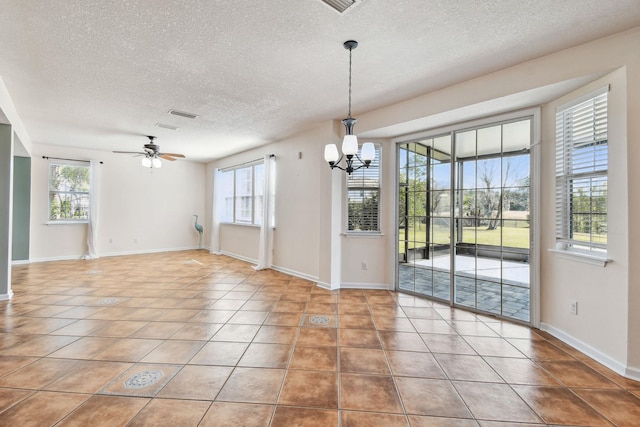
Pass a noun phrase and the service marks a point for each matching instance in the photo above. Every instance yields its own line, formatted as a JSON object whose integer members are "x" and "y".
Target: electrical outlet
{"x": 364, "y": 265}
{"x": 110, "y": 240}
{"x": 573, "y": 307}
{"x": 135, "y": 240}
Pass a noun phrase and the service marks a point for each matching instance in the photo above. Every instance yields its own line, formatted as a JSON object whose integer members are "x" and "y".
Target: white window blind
{"x": 581, "y": 173}
{"x": 363, "y": 197}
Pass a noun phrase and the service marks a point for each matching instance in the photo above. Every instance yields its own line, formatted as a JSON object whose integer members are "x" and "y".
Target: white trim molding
{"x": 594, "y": 353}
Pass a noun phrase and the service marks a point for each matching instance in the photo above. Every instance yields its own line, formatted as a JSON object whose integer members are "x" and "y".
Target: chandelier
{"x": 350, "y": 141}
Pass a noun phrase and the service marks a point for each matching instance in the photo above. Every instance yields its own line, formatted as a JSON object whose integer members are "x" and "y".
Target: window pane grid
{"x": 242, "y": 191}
{"x": 69, "y": 192}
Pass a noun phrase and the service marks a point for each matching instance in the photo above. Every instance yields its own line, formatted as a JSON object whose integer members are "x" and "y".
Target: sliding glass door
{"x": 464, "y": 218}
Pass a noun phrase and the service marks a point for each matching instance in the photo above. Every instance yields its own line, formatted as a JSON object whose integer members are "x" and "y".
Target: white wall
{"x": 151, "y": 206}
{"x": 601, "y": 292}
{"x": 373, "y": 250}
{"x": 297, "y": 237}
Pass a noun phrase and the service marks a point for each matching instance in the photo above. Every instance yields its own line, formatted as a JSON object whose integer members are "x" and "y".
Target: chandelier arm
{"x": 336, "y": 164}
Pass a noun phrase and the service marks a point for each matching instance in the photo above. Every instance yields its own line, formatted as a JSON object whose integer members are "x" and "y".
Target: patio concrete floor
{"x": 498, "y": 287}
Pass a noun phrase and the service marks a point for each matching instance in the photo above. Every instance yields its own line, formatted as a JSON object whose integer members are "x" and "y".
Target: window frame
{"x": 566, "y": 179}
{"x": 86, "y": 194}
{"x": 256, "y": 216}
{"x": 377, "y": 164}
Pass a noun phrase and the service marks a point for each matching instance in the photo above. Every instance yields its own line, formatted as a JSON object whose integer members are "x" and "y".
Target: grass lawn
{"x": 505, "y": 236}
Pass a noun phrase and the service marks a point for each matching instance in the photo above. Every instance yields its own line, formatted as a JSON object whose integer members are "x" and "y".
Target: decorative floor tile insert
{"x": 320, "y": 320}
{"x": 141, "y": 380}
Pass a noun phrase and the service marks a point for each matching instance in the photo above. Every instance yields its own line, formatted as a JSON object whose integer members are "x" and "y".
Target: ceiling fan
{"x": 152, "y": 154}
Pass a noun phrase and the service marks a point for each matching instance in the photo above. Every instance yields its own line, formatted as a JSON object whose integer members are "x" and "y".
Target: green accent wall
{"x": 21, "y": 208}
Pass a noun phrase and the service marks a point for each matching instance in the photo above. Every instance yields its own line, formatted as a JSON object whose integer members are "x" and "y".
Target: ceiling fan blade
{"x": 128, "y": 152}
{"x": 181, "y": 156}
{"x": 164, "y": 156}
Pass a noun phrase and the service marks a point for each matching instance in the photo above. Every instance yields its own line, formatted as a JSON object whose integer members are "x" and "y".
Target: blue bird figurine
{"x": 200, "y": 230}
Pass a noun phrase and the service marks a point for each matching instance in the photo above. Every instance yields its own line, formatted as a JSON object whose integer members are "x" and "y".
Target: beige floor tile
{"x": 219, "y": 353}
{"x": 128, "y": 350}
{"x": 38, "y": 374}
{"x": 158, "y": 330}
{"x": 363, "y": 361}
{"x": 229, "y": 414}
{"x": 173, "y": 351}
{"x": 314, "y": 358}
{"x": 197, "y": 331}
{"x": 88, "y": 376}
{"x": 619, "y": 406}
{"x": 43, "y": 408}
{"x": 252, "y": 385}
{"x": 369, "y": 393}
{"x": 304, "y": 417}
{"x": 422, "y": 396}
{"x": 359, "y": 338}
{"x": 560, "y": 406}
{"x": 236, "y": 333}
{"x": 467, "y": 368}
{"x": 366, "y": 419}
{"x": 105, "y": 411}
{"x": 170, "y": 413}
{"x": 11, "y": 396}
{"x": 310, "y": 389}
{"x": 196, "y": 383}
{"x": 312, "y": 337}
{"x": 412, "y": 364}
{"x": 259, "y": 355}
{"x": 497, "y": 402}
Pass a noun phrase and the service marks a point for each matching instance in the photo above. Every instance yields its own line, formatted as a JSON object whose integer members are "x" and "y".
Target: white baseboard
{"x": 110, "y": 254}
{"x": 633, "y": 373}
{"x": 375, "y": 286}
{"x": 20, "y": 262}
{"x": 295, "y": 273}
{"x": 592, "y": 352}
{"x": 6, "y": 297}
{"x": 352, "y": 285}
{"x": 240, "y": 257}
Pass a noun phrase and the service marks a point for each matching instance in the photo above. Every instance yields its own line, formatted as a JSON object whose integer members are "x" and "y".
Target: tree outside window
{"x": 69, "y": 187}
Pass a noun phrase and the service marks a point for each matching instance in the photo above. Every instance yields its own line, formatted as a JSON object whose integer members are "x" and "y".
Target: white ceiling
{"x": 99, "y": 74}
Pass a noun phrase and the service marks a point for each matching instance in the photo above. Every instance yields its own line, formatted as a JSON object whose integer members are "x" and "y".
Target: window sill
{"x": 582, "y": 257}
{"x": 239, "y": 224}
{"x": 363, "y": 234}
{"x": 66, "y": 222}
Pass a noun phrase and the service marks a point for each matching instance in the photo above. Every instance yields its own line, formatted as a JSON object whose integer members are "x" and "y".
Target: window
{"x": 363, "y": 197}
{"x": 581, "y": 174}
{"x": 69, "y": 186}
{"x": 242, "y": 189}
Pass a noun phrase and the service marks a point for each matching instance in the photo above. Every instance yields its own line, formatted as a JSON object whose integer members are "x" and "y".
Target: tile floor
{"x": 187, "y": 338}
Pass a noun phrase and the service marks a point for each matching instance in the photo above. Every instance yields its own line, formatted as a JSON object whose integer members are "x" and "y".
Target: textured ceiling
{"x": 99, "y": 74}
